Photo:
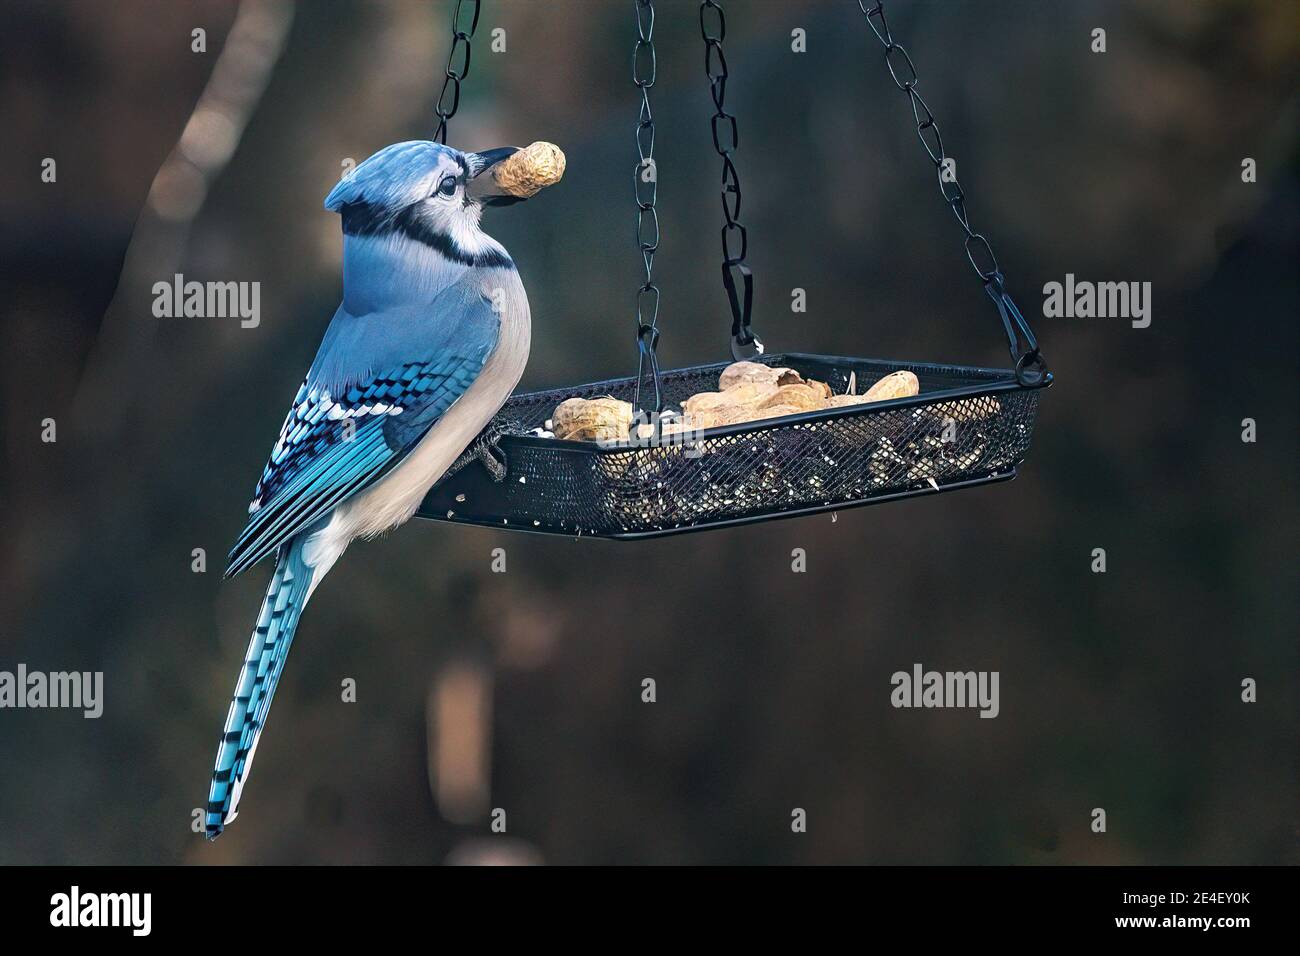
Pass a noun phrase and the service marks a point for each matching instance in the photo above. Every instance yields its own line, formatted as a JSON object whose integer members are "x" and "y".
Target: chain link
{"x": 449, "y": 98}
{"x": 726, "y": 139}
{"x": 1031, "y": 369}
{"x": 645, "y": 186}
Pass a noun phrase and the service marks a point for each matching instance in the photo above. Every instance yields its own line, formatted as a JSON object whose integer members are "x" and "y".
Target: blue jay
{"x": 429, "y": 341}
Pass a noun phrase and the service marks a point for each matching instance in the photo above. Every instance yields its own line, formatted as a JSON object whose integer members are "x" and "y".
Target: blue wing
{"x": 332, "y": 446}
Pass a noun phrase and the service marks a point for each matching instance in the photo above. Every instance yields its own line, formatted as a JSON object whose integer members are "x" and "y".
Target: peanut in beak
{"x": 529, "y": 171}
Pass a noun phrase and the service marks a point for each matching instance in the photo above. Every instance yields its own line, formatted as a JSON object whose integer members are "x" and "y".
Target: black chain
{"x": 726, "y": 138}
{"x": 645, "y": 185}
{"x": 1031, "y": 369}
{"x": 446, "y": 108}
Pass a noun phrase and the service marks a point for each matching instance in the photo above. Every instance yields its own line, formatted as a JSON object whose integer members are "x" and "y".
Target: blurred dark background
{"x": 522, "y": 690}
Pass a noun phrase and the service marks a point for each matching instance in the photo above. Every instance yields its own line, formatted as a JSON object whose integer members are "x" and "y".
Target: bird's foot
{"x": 485, "y": 449}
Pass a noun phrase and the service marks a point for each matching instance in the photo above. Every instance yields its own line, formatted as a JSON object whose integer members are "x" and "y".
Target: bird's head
{"x": 426, "y": 191}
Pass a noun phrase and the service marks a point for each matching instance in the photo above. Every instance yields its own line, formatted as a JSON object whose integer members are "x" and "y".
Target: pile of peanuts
{"x": 747, "y": 391}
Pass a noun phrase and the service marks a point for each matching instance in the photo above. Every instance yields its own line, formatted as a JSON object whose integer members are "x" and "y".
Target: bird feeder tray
{"x": 967, "y": 427}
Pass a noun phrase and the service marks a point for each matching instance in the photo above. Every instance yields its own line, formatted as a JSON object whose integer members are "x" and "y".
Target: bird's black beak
{"x": 484, "y": 189}
{"x": 480, "y": 162}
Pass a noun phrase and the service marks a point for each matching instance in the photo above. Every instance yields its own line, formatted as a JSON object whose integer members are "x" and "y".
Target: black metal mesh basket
{"x": 968, "y": 426}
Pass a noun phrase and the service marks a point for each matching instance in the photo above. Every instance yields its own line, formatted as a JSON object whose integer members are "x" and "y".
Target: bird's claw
{"x": 495, "y": 467}
{"x": 486, "y": 450}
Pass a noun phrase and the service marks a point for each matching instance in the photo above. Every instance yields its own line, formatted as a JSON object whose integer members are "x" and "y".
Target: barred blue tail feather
{"x": 286, "y": 596}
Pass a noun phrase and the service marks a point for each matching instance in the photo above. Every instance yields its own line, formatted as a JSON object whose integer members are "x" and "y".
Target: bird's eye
{"x": 448, "y": 186}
